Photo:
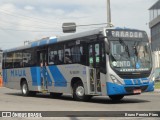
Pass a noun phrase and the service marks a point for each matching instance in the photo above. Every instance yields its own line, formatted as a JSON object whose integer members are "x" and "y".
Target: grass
{"x": 157, "y": 85}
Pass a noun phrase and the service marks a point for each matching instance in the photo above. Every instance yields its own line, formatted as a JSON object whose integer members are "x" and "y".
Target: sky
{"x": 30, "y": 20}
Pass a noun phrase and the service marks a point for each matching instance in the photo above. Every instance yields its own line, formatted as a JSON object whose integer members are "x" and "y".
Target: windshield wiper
{"x": 126, "y": 46}
{"x": 135, "y": 47}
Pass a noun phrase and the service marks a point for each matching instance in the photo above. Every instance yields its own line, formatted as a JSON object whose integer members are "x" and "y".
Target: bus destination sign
{"x": 127, "y": 34}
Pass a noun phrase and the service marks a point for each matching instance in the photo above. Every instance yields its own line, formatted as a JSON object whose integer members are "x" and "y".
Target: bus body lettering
{"x": 18, "y": 73}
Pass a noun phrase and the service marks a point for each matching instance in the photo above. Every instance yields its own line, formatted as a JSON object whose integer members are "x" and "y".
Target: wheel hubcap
{"x": 80, "y": 91}
{"x": 24, "y": 89}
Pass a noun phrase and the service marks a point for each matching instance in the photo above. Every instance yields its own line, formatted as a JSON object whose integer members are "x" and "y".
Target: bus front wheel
{"x": 79, "y": 92}
{"x": 116, "y": 97}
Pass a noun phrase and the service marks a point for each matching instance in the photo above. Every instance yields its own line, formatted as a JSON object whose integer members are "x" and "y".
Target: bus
{"x": 112, "y": 62}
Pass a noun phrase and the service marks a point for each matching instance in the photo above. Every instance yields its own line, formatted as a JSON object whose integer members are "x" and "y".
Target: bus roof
{"x": 51, "y": 40}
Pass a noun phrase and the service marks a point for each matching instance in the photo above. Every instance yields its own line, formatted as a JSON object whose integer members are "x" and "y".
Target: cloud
{"x": 29, "y": 7}
{"x": 29, "y": 16}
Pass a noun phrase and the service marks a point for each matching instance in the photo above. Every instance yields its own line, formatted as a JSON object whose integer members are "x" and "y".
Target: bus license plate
{"x": 137, "y": 91}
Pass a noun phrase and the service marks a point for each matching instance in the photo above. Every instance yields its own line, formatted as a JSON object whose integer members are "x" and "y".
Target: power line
{"x": 10, "y": 29}
{"x": 22, "y": 16}
{"x": 91, "y": 25}
{"x": 24, "y": 25}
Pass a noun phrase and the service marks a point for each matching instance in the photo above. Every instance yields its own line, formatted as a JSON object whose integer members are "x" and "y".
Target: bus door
{"x": 94, "y": 67}
{"x": 42, "y": 57}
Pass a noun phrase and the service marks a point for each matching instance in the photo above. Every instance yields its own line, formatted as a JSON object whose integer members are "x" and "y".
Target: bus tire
{"x": 79, "y": 92}
{"x": 116, "y": 97}
{"x": 25, "y": 89}
{"x": 55, "y": 95}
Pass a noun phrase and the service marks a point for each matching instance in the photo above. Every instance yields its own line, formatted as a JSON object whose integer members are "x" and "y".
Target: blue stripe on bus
{"x": 49, "y": 80}
{"x": 59, "y": 80}
{"x": 115, "y": 89}
{"x": 53, "y": 40}
{"x": 35, "y": 73}
{"x": 128, "y": 82}
{"x": 43, "y": 42}
{"x": 5, "y": 79}
{"x": 136, "y": 81}
{"x": 45, "y": 75}
{"x": 150, "y": 87}
{"x": 145, "y": 80}
{"x": 34, "y": 44}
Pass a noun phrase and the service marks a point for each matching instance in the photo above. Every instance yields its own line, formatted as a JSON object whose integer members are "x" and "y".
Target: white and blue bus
{"x": 110, "y": 62}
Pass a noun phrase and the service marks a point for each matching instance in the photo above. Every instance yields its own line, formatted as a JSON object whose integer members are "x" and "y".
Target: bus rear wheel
{"x": 79, "y": 92}
{"x": 116, "y": 97}
{"x": 25, "y": 90}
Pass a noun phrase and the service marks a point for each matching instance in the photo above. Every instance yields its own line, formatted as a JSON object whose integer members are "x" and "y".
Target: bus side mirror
{"x": 69, "y": 27}
{"x": 107, "y": 48}
{"x": 106, "y": 44}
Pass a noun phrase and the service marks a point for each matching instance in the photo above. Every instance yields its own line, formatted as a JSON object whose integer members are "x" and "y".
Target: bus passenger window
{"x": 55, "y": 54}
{"x": 17, "y": 59}
{"x": 60, "y": 56}
{"x": 29, "y": 58}
{"x": 53, "y": 57}
{"x": 67, "y": 58}
{"x": 9, "y": 60}
{"x": 76, "y": 54}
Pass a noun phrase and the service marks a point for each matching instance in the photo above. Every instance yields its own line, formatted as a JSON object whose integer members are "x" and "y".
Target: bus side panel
{"x": 62, "y": 75}
{"x": 5, "y": 78}
{"x": 103, "y": 84}
{"x": 12, "y": 77}
{"x": 58, "y": 80}
{"x": 35, "y": 81}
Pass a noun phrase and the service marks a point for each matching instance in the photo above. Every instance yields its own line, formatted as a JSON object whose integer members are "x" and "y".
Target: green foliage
{"x": 157, "y": 85}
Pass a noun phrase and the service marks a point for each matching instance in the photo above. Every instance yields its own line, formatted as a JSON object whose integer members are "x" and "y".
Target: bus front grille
{"x": 134, "y": 76}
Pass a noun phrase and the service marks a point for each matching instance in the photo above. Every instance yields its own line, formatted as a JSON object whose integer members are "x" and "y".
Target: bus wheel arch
{"x": 75, "y": 80}
{"x": 25, "y": 89}
{"x": 79, "y": 90}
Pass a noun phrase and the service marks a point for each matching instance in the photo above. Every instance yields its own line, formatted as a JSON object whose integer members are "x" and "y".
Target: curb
{"x": 157, "y": 90}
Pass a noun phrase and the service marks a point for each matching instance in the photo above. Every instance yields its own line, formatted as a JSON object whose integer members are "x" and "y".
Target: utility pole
{"x": 108, "y": 14}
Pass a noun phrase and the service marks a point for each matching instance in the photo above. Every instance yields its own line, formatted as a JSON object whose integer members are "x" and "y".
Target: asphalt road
{"x": 12, "y": 100}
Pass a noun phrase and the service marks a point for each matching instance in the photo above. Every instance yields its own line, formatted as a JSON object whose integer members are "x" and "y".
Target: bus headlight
{"x": 115, "y": 80}
{"x": 152, "y": 77}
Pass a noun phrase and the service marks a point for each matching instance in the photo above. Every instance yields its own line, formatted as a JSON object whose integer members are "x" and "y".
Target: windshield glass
{"x": 130, "y": 55}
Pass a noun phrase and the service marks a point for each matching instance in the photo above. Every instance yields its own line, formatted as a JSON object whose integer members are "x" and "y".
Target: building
{"x": 154, "y": 25}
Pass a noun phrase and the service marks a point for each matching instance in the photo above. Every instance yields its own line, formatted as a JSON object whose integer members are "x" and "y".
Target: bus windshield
{"x": 130, "y": 55}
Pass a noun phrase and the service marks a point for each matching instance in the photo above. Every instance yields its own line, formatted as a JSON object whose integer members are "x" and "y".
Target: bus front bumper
{"x": 115, "y": 89}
